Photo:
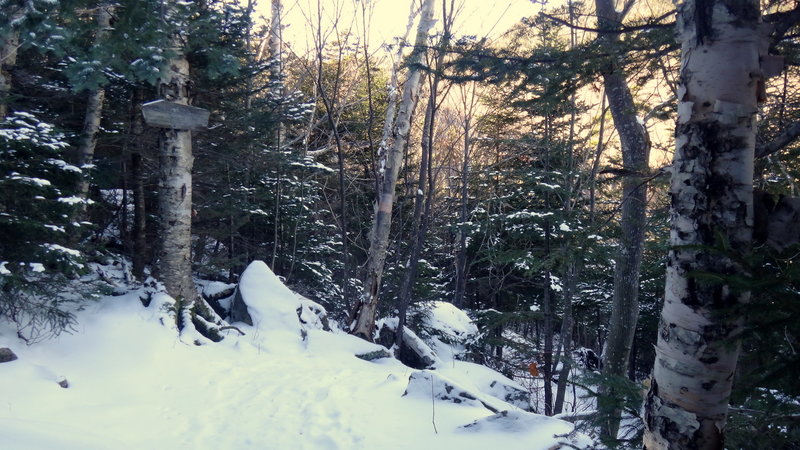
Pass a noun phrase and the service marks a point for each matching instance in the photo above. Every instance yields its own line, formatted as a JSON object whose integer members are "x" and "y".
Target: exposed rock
{"x": 312, "y": 314}
{"x": 414, "y": 352}
{"x": 216, "y": 291}
{"x": 6, "y": 355}
{"x": 775, "y": 220}
{"x": 239, "y": 312}
{"x": 510, "y": 421}
{"x": 587, "y": 358}
{"x": 62, "y": 382}
{"x": 377, "y": 354}
{"x": 426, "y": 383}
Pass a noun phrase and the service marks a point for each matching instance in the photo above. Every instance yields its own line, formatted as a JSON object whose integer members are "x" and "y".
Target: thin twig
{"x": 433, "y": 407}
{"x": 231, "y": 327}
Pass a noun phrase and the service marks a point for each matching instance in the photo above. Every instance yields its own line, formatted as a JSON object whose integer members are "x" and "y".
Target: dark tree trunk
{"x": 633, "y": 219}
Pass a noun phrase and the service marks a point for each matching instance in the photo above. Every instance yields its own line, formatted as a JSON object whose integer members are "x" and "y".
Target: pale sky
{"x": 389, "y": 18}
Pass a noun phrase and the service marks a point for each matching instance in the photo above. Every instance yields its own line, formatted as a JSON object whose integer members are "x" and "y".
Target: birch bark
{"x": 363, "y": 316}
{"x": 175, "y": 188}
{"x": 8, "y": 56}
{"x": 94, "y": 107}
{"x": 712, "y": 201}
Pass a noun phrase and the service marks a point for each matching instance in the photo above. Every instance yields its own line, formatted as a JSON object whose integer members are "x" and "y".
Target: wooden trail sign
{"x": 166, "y": 114}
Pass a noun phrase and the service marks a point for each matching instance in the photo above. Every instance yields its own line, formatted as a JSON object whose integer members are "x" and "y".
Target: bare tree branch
{"x": 656, "y": 23}
{"x": 789, "y": 135}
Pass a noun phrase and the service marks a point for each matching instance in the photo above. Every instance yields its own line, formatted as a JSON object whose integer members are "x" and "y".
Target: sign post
{"x": 166, "y": 114}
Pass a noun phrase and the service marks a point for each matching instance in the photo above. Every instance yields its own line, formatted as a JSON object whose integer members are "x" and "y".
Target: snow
{"x": 30, "y": 180}
{"x": 564, "y": 227}
{"x": 453, "y": 329}
{"x": 73, "y": 200}
{"x": 133, "y": 383}
{"x": 3, "y": 270}
{"x": 528, "y": 215}
{"x": 64, "y": 165}
{"x": 555, "y": 283}
{"x": 60, "y": 249}
{"x": 214, "y": 288}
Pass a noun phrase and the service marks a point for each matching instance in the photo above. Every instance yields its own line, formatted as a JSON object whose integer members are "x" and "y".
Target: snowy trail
{"x": 133, "y": 384}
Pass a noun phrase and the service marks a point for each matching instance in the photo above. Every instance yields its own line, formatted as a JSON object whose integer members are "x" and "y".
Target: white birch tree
{"x": 9, "y": 44}
{"x": 94, "y": 106}
{"x": 174, "y": 264}
{"x": 712, "y": 194}
{"x": 363, "y": 315}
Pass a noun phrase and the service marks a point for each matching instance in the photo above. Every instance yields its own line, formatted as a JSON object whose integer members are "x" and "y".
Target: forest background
{"x": 519, "y": 171}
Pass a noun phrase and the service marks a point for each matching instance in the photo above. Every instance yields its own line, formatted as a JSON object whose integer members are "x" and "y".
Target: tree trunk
{"x": 175, "y": 190}
{"x": 565, "y": 334}
{"x": 8, "y": 58}
{"x": 461, "y": 237}
{"x": 276, "y": 73}
{"x": 571, "y": 272}
{"x": 94, "y": 109}
{"x": 635, "y": 153}
{"x": 417, "y": 231}
{"x": 391, "y": 103}
{"x": 329, "y": 102}
{"x": 140, "y": 251}
{"x": 547, "y": 372}
{"x": 712, "y": 194}
{"x": 363, "y": 317}
{"x": 275, "y": 40}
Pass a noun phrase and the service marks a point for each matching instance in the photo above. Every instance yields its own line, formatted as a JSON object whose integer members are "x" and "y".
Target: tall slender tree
{"x": 94, "y": 106}
{"x": 635, "y": 154}
{"x": 9, "y": 44}
{"x": 363, "y": 315}
{"x": 175, "y": 178}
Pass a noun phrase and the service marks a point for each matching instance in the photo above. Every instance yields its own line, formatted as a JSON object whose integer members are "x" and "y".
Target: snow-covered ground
{"x": 133, "y": 383}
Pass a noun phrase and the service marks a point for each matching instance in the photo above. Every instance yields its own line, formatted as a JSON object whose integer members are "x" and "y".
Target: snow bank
{"x": 447, "y": 329}
{"x": 134, "y": 384}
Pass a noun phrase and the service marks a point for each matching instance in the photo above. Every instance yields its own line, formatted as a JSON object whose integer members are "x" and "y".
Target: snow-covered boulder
{"x": 414, "y": 352}
{"x": 538, "y": 431}
{"x": 511, "y": 393}
{"x": 312, "y": 315}
{"x": 426, "y": 383}
{"x": 446, "y": 329}
{"x": 218, "y": 295}
{"x": 493, "y": 383}
{"x": 264, "y": 302}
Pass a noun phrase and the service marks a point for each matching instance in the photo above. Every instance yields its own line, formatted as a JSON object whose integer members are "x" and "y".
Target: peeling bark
{"x": 8, "y": 58}
{"x": 94, "y": 108}
{"x": 712, "y": 203}
{"x": 363, "y": 316}
{"x": 175, "y": 190}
